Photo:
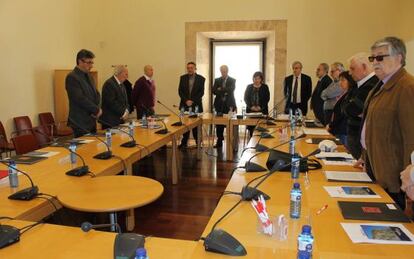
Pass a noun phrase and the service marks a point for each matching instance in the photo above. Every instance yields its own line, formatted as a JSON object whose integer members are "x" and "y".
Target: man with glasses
{"x": 388, "y": 128}
{"x": 361, "y": 71}
{"x": 83, "y": 96}
{"x": 331, "y": 94}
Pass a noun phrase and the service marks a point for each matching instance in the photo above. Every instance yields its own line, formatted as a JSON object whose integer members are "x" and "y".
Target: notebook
{"x": 27, "y": 160}
{"x": 378, "y": 211}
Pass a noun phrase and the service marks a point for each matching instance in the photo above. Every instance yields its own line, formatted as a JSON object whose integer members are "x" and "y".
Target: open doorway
{"x": 243, "y": 59}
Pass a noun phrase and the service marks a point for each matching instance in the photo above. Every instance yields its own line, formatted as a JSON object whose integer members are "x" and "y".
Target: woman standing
{"x": 256, "y": 97}
{"x": 338, "y": 124}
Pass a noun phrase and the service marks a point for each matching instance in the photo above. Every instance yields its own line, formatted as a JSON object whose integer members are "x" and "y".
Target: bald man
{"x": 143, "y": 94}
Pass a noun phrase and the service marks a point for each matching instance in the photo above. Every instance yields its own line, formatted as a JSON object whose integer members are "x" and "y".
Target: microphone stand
{"x": 26, "y": 194}
{"x": 128, "y": 144}
{"x": 164, "y": 130}
{"x": 175, "y": 124}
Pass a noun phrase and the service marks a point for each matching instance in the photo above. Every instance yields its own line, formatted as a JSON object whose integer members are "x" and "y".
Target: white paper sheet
{"x": 42, "y": 154}
{"x": 351, "y": 192}
{"x": 312, "y": 131}
{"x": 347, "y": 176}
{"x": 334, "y": 154}
{"x": 347, "y": 162}
{"x": 378, "y": 233}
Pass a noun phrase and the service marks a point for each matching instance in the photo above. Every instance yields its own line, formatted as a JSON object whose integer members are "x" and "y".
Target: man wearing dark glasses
{"x": 388, "y": 128}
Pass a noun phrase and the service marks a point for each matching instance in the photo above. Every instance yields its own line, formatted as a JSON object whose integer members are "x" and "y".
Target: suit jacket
{"x": 225, "y": 96}
{"x": 196, "y": 94}
{"x": 389, "y": 131}
{"x": 114, "y": 103}
{"x": 128, "y": 89}
{"x": 305, "y": 92}
{"x": 317, "y": 101}
{"x": 264, "y": 97}
{"x": 355, "y": 107}
{"x": 83, "y": 100}
{"x": 338, "y": 124}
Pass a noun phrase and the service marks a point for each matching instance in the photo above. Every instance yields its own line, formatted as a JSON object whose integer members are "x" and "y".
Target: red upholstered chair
{"x": 46, "y": 119}
{"x": 25, "y": 143}
{"x": 23, "y": 125}
{"x": 5, "y": 146}
{"x": 40, "y": 133}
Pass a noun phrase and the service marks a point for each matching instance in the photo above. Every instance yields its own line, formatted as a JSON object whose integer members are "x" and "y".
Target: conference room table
{"x": 49, "y": 174}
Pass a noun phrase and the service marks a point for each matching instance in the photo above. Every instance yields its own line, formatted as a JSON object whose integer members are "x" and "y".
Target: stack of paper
{"x": 312, "y": 131}
{"x": 347, "y": 176}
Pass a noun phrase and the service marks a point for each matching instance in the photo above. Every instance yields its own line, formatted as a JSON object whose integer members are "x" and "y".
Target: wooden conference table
{"x": 331, "y": 241}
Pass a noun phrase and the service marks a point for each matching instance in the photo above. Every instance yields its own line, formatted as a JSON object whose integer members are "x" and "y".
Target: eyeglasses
{"x": 87, "y": 62}
{"x": 379, "y": 58}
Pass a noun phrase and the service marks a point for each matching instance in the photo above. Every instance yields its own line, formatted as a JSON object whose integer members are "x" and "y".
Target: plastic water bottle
{"x": 144, "y": 120}
{"x": 72, "y": 147}
{"x": 292, "y": 145}
{"x": 190, "y": 110}
{"x": 108, "y": 138}
{"x": 13, "y": 177}
{"x": 295, "y": 201}
{"x": 141, "y": 253}
{"x": 196, "y": 109}
{"x": 131, "y": 128}
{"x": 305, "y": 243}
{"x": 295, "y": 166}
{"x": 244, "y": 111}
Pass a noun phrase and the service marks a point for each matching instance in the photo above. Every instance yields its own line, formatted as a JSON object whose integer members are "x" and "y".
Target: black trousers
{"x": 220, "y": 132}
{"x": 328, "y": 116}
{"x": 186, "y": 136}
{"x": 79, "y": 132}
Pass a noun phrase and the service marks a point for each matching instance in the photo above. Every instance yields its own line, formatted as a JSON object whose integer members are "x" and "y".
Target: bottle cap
{"x": 306, "y": 229}
{"x": 141, "y": 252}
{"x": 296, "y": 185}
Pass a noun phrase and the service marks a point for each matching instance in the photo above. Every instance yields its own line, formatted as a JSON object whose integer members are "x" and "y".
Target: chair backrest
{"x": 3, "y": 137}
{"x": 46, "y": 119}
{"x": 23, "y": 125}
{"x": 25, "y": 143}
{"x": 40, "y": 133}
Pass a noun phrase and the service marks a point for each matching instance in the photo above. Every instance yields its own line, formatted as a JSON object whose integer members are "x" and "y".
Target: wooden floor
{"x": 184, "y": 209}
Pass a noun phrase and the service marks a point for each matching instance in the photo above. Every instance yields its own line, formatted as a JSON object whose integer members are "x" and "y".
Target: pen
{"x": 322, "y": 209}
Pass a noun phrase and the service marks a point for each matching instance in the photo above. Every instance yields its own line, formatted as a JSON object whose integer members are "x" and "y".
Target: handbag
{"x": 304, "y": 165}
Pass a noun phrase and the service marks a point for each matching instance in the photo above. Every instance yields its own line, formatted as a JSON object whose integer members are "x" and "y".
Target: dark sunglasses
{"x": 379, "y": 58}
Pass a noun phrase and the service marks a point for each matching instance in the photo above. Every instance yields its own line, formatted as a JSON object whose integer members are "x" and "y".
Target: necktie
{"x": 295, "y": 91}
{"x": 124, "y": 94}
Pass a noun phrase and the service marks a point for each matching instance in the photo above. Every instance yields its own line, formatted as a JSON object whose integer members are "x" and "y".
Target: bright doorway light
{"x": 243, "y": 59}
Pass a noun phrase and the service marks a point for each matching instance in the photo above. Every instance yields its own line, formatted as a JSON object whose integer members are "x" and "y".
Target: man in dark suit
{"x": 297, "y": 89}
{"x": 128, "y": 89}
{"x": 223, "y": 89}
{"x": 316, "y": 100}
{"x": 83, "y": 95}
{"x": 114, "y": 99}
{"x": 143, "y": 94}
{"x": 191, "y": 91}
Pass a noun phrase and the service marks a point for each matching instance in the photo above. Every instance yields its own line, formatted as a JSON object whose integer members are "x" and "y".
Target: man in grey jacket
{"x": 333, "y": 91}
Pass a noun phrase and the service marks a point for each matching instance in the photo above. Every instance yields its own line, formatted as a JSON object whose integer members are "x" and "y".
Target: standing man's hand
{"x": 189, "y": 103}
{"x": 99, "y": 113}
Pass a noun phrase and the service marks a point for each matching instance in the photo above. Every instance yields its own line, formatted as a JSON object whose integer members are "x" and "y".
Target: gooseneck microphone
{"x": 127, "y": 144}
{"x": 87, "y": 226}
{"x": 80, "y": 170}
{"x": 248, "y": 193}
{"x": 175, "y": 124}
{"x": 253, "y": 167}
{"x": 26, "y": 194}
{"x": 164, "y": 130}
{"x": 103, "y": 155}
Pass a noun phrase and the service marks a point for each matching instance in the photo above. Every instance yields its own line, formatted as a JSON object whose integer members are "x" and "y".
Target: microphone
{"x": 87, "y": 226}
{"x": 128, "y": 144}
{"x": 253, "y": 167}
{"x": 80, "y": 170}
{"x": 26, "y": 194}
{"x": 52, "y": 141}
{"x": 248, "y": 193}
{"x": 175, "y": 124}
{"x": 125, "y": 244}
{"x": 103, "y": 155}
{"x": 164, "y": 130}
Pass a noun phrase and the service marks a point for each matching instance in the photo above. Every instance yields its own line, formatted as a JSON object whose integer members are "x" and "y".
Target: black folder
{"x": 376, "y": 211}
{"x": 27, "y": 160}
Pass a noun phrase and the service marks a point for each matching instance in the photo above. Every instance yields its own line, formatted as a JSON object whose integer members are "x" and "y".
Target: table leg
{"x": 229, "y": 141}
{"x": 174, "y": 166}
{"x": 199, "y": 138}
{"x": 113, "y": 220}
{"x": 130, "y": 214}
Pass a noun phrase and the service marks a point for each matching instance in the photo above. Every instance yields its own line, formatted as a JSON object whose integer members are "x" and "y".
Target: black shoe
{"x": 219, "y": 144}
{"x": 182, "y": 146}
